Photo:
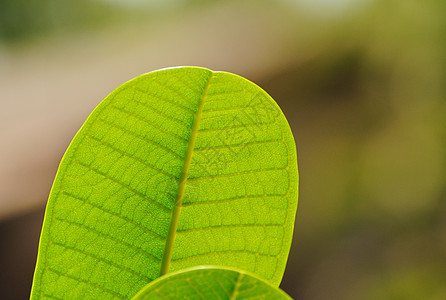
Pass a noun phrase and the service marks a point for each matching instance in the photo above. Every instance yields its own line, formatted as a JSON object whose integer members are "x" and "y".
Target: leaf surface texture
{"x": 176, "y": 168}
{"x": 210, "y": 283}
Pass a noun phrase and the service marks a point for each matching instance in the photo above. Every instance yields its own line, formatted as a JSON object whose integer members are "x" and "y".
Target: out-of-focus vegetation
{"x": 23, "y": 19}
{"x": 373, "y": 199}
{"x": 363, "y": 84}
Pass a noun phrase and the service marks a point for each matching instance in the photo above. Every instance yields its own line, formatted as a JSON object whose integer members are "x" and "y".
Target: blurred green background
{"x": 362, "y": 83}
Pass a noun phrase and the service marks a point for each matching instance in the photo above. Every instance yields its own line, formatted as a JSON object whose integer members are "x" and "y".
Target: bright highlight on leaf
{"x": 210, "y": 283}
{"x": 174, "y": 169}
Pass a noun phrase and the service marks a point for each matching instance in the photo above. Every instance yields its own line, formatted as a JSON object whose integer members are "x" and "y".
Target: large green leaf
{"x": 175, "y": 168}
{"x": 204, "y": 283}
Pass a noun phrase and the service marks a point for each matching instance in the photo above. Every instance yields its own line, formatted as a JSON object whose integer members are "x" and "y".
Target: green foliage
{"x": 22, "y": 19}
{"x": 210, "y": 283}
{"x": 174, "y": 169}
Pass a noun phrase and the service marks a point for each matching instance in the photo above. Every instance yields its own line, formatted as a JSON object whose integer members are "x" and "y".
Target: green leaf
{"x": 210, "y": 283}
{"x": 176, "y": 168}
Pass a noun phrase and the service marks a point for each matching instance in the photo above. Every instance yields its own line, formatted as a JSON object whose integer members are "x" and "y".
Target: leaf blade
{"x": 118, "y": 184}
{"x": 208, "y": 282}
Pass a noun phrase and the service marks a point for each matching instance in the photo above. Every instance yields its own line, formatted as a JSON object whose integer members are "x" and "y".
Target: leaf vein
{"x": 218, "y": 176}
{"x": 123, "y": 185}
{"x": 87, "y": 282}
{"x": 106, "y": 236}
{"x": 133, "y": 157}
{"x": 222, "y": 253}
{"x": 142, "y": 138}
{"x": 116, "y": 215}
{"x": 102, "y": 260}
{"x": 150, "y": 123}
{"x": 236, "y": 126}
{"x": 230, "y": 108}
{"x": 236, "y": 145}
{"x": 213, "y": 227}
{"x": 231, "y": 199}
{"x": 164, "y": 99}
{"x": 182, "y": 184}
{"x": 175, "y": 91}
{"x": 188, "y": 85}
{"x": 146, "y": 105}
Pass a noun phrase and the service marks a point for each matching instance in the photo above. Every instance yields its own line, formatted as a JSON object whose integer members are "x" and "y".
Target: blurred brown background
{"x": 362, "y": 83}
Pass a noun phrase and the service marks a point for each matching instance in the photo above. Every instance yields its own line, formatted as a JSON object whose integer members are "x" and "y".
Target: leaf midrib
{"x": 167, "y": 255}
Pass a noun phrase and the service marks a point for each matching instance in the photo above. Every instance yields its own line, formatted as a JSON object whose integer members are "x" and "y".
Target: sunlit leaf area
{"x": 177, "y": 168}
{"x": 362, "y": 84}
